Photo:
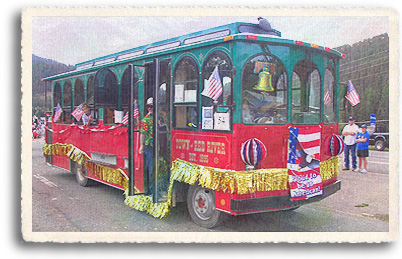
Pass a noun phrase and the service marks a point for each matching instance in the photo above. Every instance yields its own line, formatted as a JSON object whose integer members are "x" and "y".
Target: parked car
{"x": 379, "y": 140}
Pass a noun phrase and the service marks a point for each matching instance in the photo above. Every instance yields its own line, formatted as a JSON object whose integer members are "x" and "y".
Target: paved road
{"x": 60, "y": 204}
{"x": 377, "y": 162}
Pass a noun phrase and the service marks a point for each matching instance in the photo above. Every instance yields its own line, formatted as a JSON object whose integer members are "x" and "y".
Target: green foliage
{"x": 42, "y": 68}
{"x": 367, "y": 66}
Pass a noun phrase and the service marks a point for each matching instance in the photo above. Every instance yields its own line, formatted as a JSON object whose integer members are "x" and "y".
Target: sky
{"x": 71, "y": 40}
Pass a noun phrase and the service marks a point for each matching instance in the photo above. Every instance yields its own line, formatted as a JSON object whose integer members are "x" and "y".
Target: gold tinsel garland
{"x": 329, "y": 168}
{"x": 69, "y": 150}
{"x": 108, "y": 174}
{"x": 229, "y": 181}
{"x": 223, "y": 180}
{"x": 240, "y": 182}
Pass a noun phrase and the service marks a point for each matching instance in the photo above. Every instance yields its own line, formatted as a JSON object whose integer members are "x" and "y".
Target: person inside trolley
{"x": 147, "y": 140}
{"x": 88, "y": 118}
{"x": 257, "y": 101}
{"x": 260, "y": 106}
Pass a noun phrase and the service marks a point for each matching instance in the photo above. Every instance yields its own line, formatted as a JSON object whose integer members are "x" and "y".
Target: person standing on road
{"x": 362, "y": 140}
{"x": 147, "y": 140}
{"x": 350, "y": 131}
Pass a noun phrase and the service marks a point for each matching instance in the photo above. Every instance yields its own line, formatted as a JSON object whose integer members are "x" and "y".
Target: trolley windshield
{"x": 272, "y": 76}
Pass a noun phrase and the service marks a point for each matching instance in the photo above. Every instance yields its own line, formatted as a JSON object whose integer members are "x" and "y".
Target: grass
{"x": 373, "y": 148}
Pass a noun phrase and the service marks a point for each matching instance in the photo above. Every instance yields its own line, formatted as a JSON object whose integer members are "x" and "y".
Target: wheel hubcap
{"x": 203, "y": 201}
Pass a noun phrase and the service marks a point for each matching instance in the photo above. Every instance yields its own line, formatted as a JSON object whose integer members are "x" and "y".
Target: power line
{"x": 354, "y": 67}
{"x": 355, "y": 60}
{"x": 378, "y": 73}
{"x": 366, "y": 68}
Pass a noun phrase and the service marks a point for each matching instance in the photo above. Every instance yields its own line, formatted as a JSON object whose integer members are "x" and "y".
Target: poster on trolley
{"x": 304, "y": 162}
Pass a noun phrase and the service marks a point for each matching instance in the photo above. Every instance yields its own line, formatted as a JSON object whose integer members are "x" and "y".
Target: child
{"x": 362, "y": 140}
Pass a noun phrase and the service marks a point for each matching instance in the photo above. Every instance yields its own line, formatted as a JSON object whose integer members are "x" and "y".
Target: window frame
{"x": 286, "y": 90}
{"x": 230, "y": 104}
{"x": 190, "y": 105}
{"x": 110, "y": 102}
{"x": 67, "y": 118}
{"x": 331, "y": 69}
{"x": 305, "y": 96}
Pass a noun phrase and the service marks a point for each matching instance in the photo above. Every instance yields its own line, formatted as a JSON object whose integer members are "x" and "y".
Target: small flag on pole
{"x": 327, "y": 98}
{"x": 125, "y": 119}
{"x": 352, "y": 95}
{"x": 57, "y": 113}
{"x": 327, "y": 95}
{"x": 78, "y": 112}
{"x": 213, "y": 87}
{"x": 136, "y": 114}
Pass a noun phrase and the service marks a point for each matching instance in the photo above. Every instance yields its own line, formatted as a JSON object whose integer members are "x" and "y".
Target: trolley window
{"x": 67, "y": 102}
{"x": 329, "y": 96}
{"x": 91, "y": 92}
{"x": 306, "y": 93}
{"x": 79, "y": 96}
{"x": 264, "y": 91}
{"x": 106, "y": 94}
{"x": 125, "y": 94}
{"x": 216, "y": 96}
{"x": 185, "y": 88}
{"x": 56, "y": 96}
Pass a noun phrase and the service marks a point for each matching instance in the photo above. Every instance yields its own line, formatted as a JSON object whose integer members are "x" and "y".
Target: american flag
{"x": 57, "y": 113}
{"x": 352, "y": 95}
{"x": 213, "y": 86}
{"x": 327, "y": 95}
{"x": 304, "y": 162}
{"x": 136, "y": 114}
{"x": 78, "y": 112}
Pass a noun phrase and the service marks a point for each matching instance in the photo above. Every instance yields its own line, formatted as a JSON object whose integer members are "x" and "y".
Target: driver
{"x": 260, "y": 105}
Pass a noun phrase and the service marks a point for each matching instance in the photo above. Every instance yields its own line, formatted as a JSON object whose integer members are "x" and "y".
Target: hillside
{"x": 41, "y": 68}
{"x": 367, "y": 66}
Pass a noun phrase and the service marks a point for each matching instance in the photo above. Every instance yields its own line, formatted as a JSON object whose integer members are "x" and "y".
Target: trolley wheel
{"x": 380, "y": 145}
{"x": 81, "y": 175}
{"x": 201, "y": 206}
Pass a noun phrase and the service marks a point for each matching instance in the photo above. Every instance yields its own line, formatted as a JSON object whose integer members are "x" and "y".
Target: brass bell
{"x": 265, "y": 82}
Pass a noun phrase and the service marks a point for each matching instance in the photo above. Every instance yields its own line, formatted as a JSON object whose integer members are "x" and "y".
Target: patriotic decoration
{"x": 57, "y": 113}
{"x": 336, "y": 145}
{"x": 253, "y": 151}
{"x": 304, "y": 162}
{"x": 125, "y": 119}
{"x": 327, "y": 95}
{"x": 352, "y": 95}
{"x": 136, "y": 114}
{"x": 213, "y": 86}
{"x": 78, "y": 112}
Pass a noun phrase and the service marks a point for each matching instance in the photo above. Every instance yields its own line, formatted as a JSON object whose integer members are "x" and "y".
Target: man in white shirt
{"x": 350, "y": 131}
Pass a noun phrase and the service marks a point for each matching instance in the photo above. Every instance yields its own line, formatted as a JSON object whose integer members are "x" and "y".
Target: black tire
{"x": 81, "y": 175}
{"x": 379, "y": 145}
{"x": 201, "y": 206}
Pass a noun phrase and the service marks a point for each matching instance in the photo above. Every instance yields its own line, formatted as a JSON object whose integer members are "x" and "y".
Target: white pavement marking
{"x": 45, "y": 181}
